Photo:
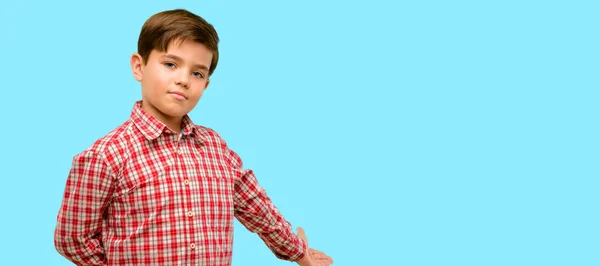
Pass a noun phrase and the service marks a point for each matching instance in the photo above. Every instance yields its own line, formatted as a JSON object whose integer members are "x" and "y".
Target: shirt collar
{"x": 152, "y": 128}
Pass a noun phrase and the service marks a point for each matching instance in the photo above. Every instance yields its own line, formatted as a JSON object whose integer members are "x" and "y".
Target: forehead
{"x": 188, "y": 51}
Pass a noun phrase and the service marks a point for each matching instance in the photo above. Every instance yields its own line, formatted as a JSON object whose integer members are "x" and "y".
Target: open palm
{"x": 315, "y": 257}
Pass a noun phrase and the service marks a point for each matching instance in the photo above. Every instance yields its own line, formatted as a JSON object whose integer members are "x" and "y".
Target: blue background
{"x": 395, "y": 133}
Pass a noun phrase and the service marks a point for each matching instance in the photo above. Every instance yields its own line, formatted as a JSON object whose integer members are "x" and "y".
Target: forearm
{"x": 79, "y": 249}
{"x": 266, "y": 221}
{"x": 304, "y": 261}
{"x": 78, "y": 231}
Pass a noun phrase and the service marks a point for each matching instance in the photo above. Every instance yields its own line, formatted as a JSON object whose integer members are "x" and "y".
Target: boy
{"x": 160, "y": 190}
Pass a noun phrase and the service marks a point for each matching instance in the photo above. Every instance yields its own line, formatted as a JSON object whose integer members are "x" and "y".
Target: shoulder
{"x": 209, "y": 135}
{"x": 112, "y": 139}
{"x": 112, "y": 147}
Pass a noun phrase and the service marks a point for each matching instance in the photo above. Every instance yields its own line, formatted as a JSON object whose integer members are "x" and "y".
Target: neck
{"x": 172, "y": 122}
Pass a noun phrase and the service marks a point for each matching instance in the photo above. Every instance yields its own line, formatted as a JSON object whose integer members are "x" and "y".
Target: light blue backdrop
{"x": 396, "y": 133}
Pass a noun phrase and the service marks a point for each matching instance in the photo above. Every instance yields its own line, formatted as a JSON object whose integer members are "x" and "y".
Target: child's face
{"x": 173, "y": 81}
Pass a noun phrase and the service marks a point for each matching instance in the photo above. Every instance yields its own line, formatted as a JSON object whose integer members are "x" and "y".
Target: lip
{"x": 176, "y": 94}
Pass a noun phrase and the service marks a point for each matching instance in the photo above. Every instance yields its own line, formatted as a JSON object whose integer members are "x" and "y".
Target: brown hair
{"x": 179, "y": 24}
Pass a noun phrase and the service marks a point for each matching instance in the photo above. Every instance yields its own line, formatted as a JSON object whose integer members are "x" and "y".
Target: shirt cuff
{"x": 303, "y": 249}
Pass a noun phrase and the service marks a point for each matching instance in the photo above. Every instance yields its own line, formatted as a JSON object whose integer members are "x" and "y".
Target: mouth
{"x": 178, "y": 95}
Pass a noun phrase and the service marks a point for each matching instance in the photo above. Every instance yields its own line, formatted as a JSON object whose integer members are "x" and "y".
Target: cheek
{"x": 197, "y": 94}
{"x": 198, "y": 89}
{"x": 158, "y": 80}
{"x": 161, "y": 76}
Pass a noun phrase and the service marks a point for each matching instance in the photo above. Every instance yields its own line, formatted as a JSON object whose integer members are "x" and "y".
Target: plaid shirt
{"x": 145, "y": 195}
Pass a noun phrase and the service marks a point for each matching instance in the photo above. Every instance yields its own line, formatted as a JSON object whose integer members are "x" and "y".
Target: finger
{"x": 300, "y": 230}
{"x": 323, "y": 263}
{"x": 316, "y": 254}
{"x": 321, "y": 258}
{"x": 319, "y": 255}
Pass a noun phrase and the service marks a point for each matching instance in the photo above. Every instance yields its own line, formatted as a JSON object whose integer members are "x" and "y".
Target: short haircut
{"x": 177, "y": 25}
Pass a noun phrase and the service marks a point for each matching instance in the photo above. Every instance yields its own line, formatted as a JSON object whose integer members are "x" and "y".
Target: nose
{"x": 182, "y": 79}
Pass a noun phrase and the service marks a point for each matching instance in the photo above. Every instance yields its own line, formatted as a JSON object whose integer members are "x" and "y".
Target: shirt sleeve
{"x": 78, "y": 231}
{"x": 255, "y": 210}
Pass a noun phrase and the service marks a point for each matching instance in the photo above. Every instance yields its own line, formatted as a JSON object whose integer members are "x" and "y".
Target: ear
{"x": 137, "y": 66}
{"x": 207, "y": 82}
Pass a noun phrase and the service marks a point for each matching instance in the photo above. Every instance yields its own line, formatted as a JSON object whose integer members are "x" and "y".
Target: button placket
{"x": 178, "y": 144}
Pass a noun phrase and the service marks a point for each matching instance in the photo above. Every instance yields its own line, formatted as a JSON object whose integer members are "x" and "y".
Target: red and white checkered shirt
{"x": 145, "y": 195}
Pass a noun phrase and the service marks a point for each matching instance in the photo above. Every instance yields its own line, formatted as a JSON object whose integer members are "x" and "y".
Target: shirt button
{"x": 190, "y": 214}
{"x": 186, "y": 182}
{"x": 192, "y": 246}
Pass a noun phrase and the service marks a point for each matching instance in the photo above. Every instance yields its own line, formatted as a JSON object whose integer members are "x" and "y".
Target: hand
{"x": 313, "y": 256}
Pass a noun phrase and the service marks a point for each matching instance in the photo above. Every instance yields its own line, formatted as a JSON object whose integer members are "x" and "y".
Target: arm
{"x": 79, "y": 225}
{"x": 257, "y": 213}
{"x": 255, "y": 210}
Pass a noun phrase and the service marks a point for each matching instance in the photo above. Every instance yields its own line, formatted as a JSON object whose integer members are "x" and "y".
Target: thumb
{"x": 302, "y": 235}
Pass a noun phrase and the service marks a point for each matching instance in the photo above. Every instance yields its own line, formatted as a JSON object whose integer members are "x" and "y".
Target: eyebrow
{"x": 177, "y": 58}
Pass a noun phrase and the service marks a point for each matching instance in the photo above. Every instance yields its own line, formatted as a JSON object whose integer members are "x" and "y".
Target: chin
{"x": 174, "y": 111}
